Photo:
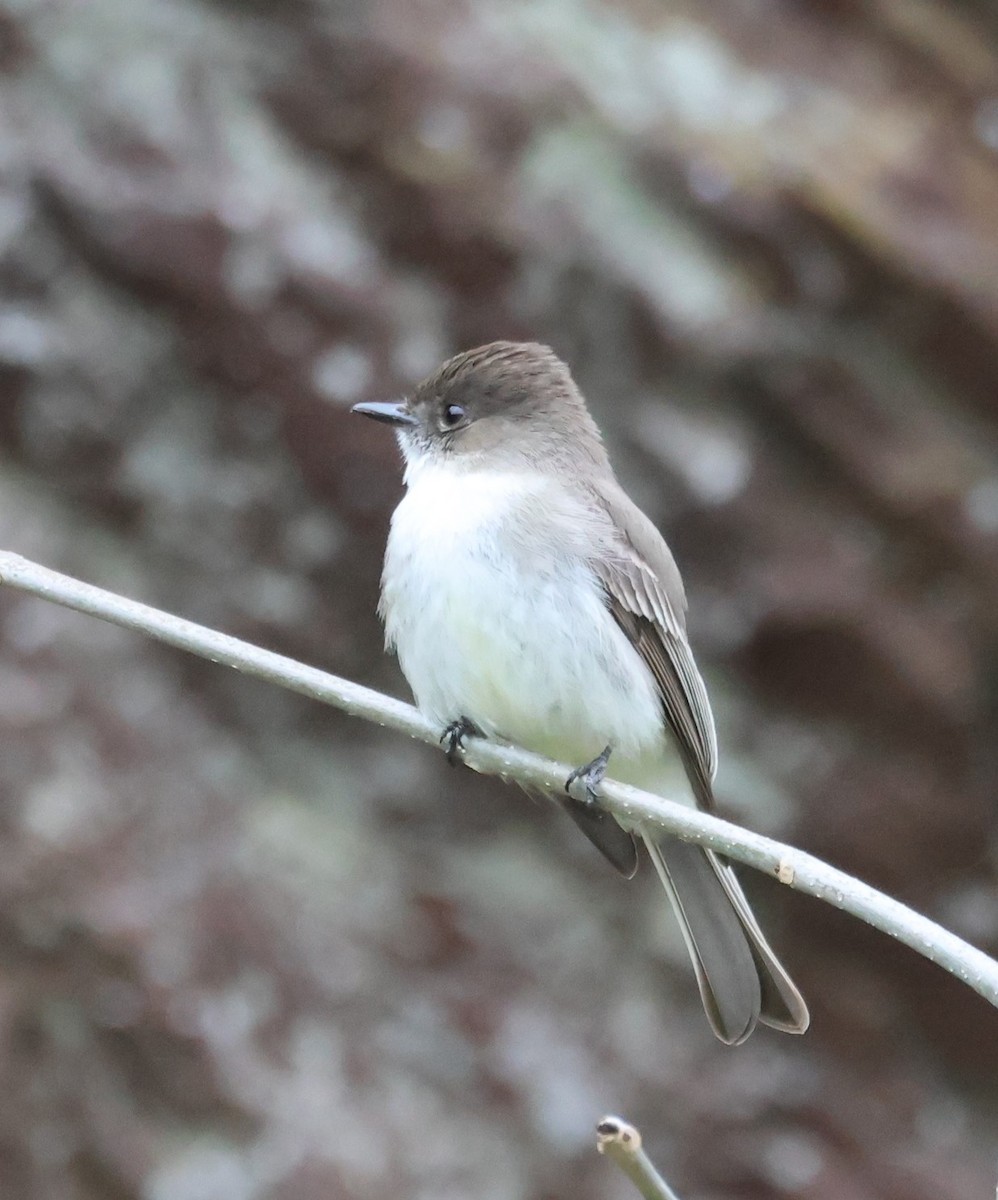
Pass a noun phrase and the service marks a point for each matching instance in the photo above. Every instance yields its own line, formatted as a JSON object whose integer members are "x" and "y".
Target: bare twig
{"x": 621, "y": 1143}
{"x": 789, "y": 865}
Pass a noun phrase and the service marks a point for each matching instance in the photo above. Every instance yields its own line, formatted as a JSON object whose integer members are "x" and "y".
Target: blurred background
{"x": 252, "y": 949}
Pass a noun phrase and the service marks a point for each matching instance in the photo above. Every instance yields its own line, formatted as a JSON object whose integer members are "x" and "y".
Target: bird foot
{"x": 452, "y": 738}
{"x": 591, "y": 776}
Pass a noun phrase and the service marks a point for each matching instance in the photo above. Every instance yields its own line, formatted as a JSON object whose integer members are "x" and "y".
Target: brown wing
{"x": 645, "y": 595}
{"x": 740, "y": 978}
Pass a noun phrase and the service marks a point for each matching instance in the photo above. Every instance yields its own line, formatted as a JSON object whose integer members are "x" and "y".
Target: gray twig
{"x": 789, "y": 865}
{"x": 621, "y": 1143}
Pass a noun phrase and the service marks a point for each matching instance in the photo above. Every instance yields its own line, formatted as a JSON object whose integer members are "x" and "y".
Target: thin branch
{"x": 621, "y": 1143}
{"x": 786, "y": 863}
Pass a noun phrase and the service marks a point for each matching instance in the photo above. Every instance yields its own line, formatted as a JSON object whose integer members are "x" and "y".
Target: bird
{"x": 530, "y": 601}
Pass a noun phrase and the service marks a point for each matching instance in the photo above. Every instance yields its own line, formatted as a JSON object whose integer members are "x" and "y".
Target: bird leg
{"x": 452, "y": 738}
{"x": 591, "y": 775}
{"x": 599, "y": 826}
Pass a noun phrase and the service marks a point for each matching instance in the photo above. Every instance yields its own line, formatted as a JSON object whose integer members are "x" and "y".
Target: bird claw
{"x": 591, "y": 775}
{"x": 452, "y": 738}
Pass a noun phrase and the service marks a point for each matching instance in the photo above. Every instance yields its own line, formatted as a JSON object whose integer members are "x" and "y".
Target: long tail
{"x": 741, "y": 980}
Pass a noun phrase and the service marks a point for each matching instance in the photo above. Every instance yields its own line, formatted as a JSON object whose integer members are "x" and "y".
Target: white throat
{"x": 445, "y": 498}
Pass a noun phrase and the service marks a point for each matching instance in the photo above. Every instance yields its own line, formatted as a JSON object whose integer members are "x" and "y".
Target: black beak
{"x": 391, "y": 414}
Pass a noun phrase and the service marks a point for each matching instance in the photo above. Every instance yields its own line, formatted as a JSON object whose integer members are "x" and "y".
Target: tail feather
{"x": 613, "y": 841}
{"x": 741, "y": 981}
{"x": 783, "y": 1007}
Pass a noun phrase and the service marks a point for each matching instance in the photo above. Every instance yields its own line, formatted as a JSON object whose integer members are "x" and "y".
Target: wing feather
{"x": 645, "y": 595}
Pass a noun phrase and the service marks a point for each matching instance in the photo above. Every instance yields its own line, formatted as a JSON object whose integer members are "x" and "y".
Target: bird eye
{"x": 453, "y": 414}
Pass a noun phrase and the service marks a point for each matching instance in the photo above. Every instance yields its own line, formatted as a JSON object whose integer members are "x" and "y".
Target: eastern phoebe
{"x": 529, "y": 600}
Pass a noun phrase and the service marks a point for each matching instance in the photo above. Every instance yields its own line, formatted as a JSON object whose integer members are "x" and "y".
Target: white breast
{"x": 488, "y": 625}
